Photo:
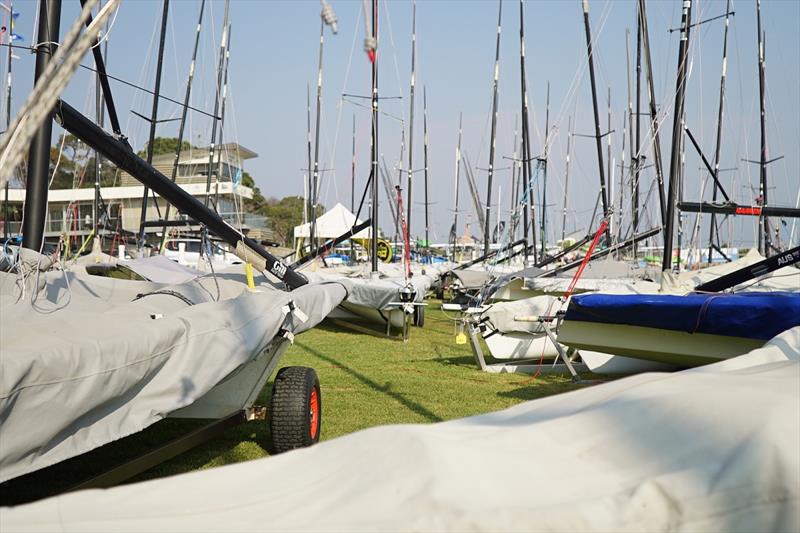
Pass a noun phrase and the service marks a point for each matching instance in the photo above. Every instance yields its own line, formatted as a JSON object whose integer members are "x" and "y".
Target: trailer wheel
{"x": 295, "y": 412}
{"x": 419, "y": 316}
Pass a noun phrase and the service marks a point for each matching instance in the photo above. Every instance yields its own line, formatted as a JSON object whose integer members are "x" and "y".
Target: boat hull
{"x": 671, "y": 347}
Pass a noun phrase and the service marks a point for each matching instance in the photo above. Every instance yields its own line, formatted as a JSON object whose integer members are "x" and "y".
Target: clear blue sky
{"x": 274, "y": 59}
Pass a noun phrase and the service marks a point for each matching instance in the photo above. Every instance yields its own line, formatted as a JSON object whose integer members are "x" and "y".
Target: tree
{"x": 165, "y": 145}
{"x": 64, "y": 177}
{"x": 284, "y": 215}
{"x": 252, "y": 205}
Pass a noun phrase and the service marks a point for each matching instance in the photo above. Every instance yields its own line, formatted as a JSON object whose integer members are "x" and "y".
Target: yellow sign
{"x": 384, "y": 251}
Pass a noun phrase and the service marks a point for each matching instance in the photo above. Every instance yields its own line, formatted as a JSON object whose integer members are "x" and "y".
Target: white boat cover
{"x": 785, "y": 279}
{"x": 334, "y": 222}
{"x": 708, "y": 449}
{"x": 86, "y": 361}
{"x": 502, "y": 315}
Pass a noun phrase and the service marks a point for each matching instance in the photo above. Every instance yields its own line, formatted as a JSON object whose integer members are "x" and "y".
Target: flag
{"x": 15, "y": 36}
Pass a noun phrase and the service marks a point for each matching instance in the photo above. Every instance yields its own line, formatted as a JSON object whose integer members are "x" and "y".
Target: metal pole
{"x": 98, "y": 110}
{"x": 598, "y": 137}
{"x": 615, "y": 216}
{"x": 544, "y": 172}
{"x": 425, "y": 159}
{"x": 409, "y": 195}
{"x": 566, "y": 182}
{"x": 307, "y": 207}
{"x": 654, "y": 124}
{"x": 455, "y": 200}
{"x": 677, "y": 131}
{"x": 527, "y": 207}
{"x": 153, "y": 120}
{"x": 713, "y": 226}
{"x": 374, "y": 145}
{"x": 222, "y": 116}
{"x": 8, "y": 108}
{"x": 33, "y": 226}
{"x": 636, "y": 157}
{"x": 315, "y": 169}
{"x": 353, "y": 187}
{"x": 763, "y": 221}
{"x": 488, "y": 217}
{"x": 184, "y": 111}
{"x": 222, "y": 45}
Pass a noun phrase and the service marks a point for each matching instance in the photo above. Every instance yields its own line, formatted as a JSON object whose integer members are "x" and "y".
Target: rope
{"x": 166, "y": 292}
{"x": 38, "y": 107}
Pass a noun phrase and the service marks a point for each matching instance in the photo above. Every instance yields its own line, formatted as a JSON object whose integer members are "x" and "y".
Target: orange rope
{"x": 573, "y": 283}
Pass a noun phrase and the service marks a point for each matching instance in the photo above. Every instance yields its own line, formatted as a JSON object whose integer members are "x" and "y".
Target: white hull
{"x": 651, "y": 344}
{"x": 517, "y": 346}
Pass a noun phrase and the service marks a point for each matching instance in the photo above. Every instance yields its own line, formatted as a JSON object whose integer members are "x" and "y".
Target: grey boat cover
{"x": 709, "y": 449}
{"x": 86, "y": 360}
{"x": 380, "y": 293}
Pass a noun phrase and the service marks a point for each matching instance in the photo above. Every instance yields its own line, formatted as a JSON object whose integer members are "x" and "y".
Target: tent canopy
{"x": 333, "y": 223}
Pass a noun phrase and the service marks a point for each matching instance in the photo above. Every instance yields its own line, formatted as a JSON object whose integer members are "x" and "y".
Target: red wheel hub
{"x": 313, "y": 406}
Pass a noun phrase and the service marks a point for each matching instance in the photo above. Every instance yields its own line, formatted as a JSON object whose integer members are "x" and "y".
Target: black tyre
{"x": 295, "y": 411}
{"x": 419, "y": 316}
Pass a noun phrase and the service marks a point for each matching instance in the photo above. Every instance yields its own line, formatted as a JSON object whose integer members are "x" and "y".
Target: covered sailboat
{"x": 684, "y": 451}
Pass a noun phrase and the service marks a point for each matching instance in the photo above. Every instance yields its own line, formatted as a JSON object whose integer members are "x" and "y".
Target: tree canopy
{"x": 284, "y": 215}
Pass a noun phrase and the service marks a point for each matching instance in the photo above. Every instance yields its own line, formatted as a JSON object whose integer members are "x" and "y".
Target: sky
{"x": 274, "y": 55}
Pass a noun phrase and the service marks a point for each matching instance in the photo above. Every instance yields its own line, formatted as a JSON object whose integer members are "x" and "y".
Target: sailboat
{"x": 89, "y": 359}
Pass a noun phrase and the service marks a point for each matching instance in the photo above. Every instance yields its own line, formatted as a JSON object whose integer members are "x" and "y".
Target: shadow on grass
{"x": 384, "y": 389}
{"x": 450, "y": 360}
{"x": 66, "y": 474}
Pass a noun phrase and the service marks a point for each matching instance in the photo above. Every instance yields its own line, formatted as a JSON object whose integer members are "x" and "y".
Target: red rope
{"x": 576, "y": 277}
{"x": 573, "y": 283}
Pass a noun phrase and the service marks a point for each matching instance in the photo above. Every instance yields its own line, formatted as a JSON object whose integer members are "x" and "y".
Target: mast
{"x": 488, "y": 217}
{"x": 371, "y": 46}
{"x": 184, "y": 113}
{"x": 8, "y": 106}
{"x": 614, "y": 212}
{"x": 515, "y": 178}
{"x": 409, "y": 196}
{"x": 654, "y": 125}
{"x": 454, "y": 231}
{"x": 527, "y": 208}
{"x": 353, "y": 170}
{"x": 353, "y": 189}
{"x": 327, "y": 17}
{"x": 636, "y": 158}
{"x": 425, "y": 158}
{"x": 718, "y": 146}
{"x": 35, "y": 212}
{"x": 677, "y": 130}
{"x": 222, "y": 116}
{"x": 307, "y": 185}
{"x": 544, "y": 172}
{"x": 598, "y": 136}
{"x": 627, "y": 130}
{"x": 566, "y": 182}
{"x": 220, "y": 67}
{"x": 98, "y": 110}
{"x": 764, "y": 241}
{"x": 153, "y": 122}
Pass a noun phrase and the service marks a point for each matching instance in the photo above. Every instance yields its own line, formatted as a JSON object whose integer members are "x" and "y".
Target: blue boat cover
{"x": 753, "y": 315}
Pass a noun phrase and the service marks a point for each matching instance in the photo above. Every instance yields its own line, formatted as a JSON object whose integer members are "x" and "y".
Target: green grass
{"x": 367, "y": 380}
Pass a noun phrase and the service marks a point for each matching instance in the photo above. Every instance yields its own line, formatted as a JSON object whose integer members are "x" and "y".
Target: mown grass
{"x": 367, "y": 380}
